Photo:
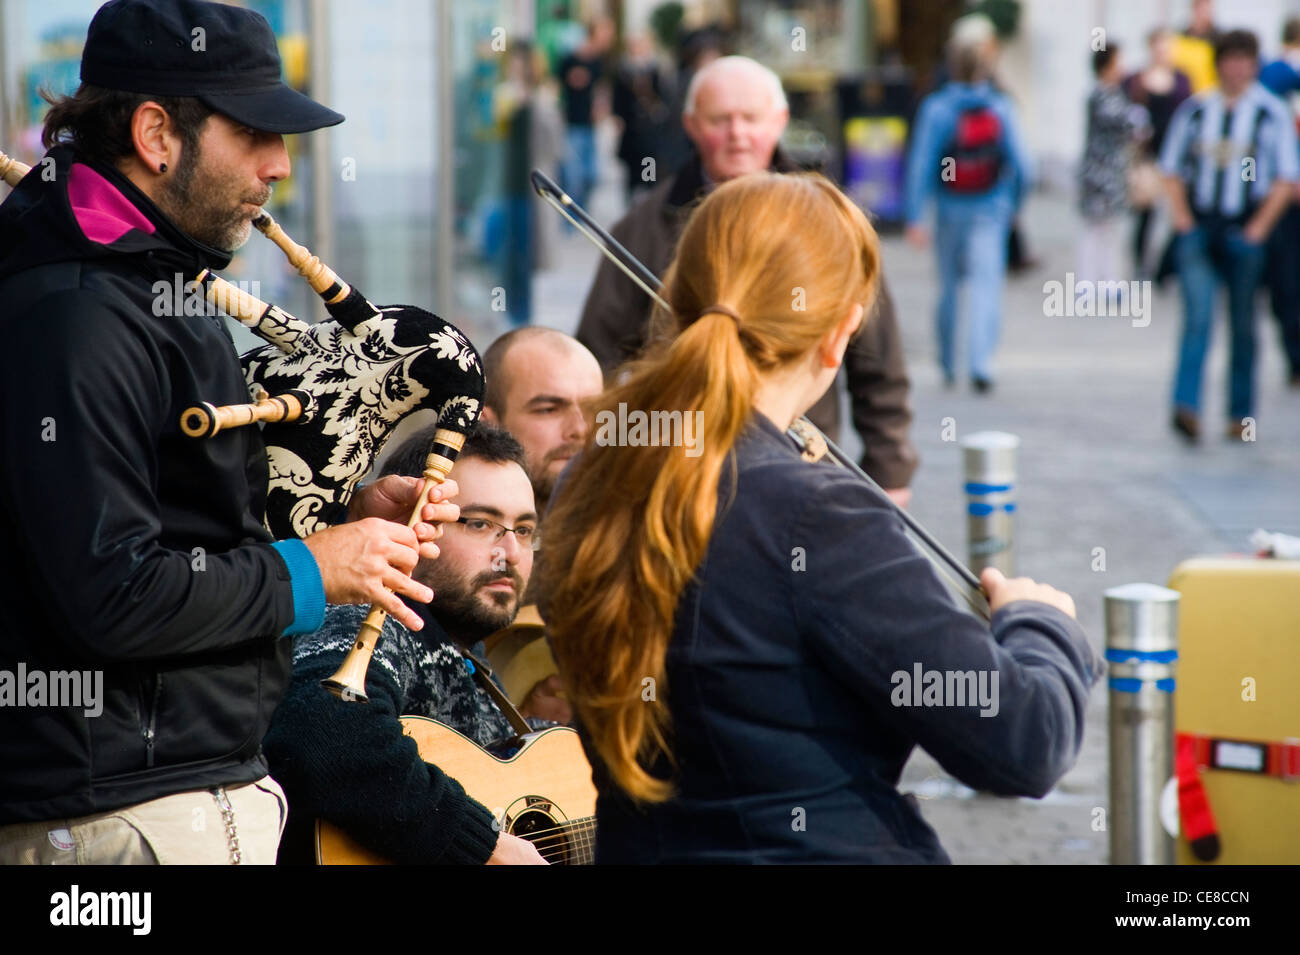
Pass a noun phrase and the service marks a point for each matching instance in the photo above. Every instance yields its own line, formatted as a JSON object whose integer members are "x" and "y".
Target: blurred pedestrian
{"x": 641, "y": 103}
{"x": 516, "y": 110}
{"x": 580, "y": 72}
{"x": 1231, "y": 164}
{"x": 695, "y": 50}
{"x": 558, "y": 35}
{"x": 1158, "y": 88}
{"x": 1113, "y": 128}
{"x": 967, "y": 156}
{"x": 1282, "y": 78}
{"x": 1193, "y": 50}
{"x": 547, "y": 145}
{"x": 979, "y": 31}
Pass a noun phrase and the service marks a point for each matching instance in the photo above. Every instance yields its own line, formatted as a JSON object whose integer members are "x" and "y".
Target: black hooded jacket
{"x": 136, "y": 552}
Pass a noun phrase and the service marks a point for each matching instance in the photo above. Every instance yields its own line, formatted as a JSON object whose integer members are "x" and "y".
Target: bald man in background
{"x": 537, "y": 380}
{"x": 735, "y": 114}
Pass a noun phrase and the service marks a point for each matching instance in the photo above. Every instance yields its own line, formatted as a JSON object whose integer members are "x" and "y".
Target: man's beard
{"x": 543, "y": 480}
{"x": 465, "y": 613}
{"x": 543, "y": 486}
{"x": 211, "y": 210}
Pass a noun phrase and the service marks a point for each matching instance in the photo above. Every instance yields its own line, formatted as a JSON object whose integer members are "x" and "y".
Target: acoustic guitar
{"x": 542, "y": 793}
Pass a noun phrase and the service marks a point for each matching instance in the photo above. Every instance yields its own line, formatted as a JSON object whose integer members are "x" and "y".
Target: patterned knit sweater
{"x": 349, "y": 762}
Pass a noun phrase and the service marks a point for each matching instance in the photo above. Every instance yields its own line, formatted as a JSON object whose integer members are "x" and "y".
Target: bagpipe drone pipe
{"x": 330, "y": 394}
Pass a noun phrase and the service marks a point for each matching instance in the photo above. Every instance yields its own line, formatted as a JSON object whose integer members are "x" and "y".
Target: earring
{"x": 162, "y": 168}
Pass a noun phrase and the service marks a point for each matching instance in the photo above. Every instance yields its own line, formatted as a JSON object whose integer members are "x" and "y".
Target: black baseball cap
{"x": 222, "y": 55}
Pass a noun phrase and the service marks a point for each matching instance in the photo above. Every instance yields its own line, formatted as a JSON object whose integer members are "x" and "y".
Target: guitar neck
{"x": 576, "y": 843}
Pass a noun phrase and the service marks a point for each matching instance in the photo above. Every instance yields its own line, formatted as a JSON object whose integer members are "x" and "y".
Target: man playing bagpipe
{"x": 144, "y": 566}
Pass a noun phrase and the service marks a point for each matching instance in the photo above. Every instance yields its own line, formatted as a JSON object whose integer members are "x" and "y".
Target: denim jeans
{"x": 973, "y": 248}
{"x": 1206, "y": 256}
{"x": 579, "y": 168}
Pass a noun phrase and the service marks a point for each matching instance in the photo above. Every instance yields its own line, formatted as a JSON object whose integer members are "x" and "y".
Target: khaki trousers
{"x": 189, "y": 828}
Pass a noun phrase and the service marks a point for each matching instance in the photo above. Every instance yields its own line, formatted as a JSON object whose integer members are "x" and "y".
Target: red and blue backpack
{"x": 976, "y": 154}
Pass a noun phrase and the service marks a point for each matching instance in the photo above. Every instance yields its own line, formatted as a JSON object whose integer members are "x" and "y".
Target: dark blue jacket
{"x": 790, "y": 719}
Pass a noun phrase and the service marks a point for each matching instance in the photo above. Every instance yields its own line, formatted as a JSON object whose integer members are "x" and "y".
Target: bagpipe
{"x": 330, "y": 394}
{"x": 361, "y": 373}
{"x": 357, "y": 375}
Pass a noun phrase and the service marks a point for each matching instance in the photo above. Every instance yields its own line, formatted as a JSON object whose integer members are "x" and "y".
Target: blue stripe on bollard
{"x": 974, "y": 487}
{"x": 1114, "y": 655}
{"x": 980, "y": 509}
{"x": 1129, "y": 685}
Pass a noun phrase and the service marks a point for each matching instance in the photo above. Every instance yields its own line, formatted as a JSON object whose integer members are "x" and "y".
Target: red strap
{"x": 1278, "y": 759}
{"x": 1193, "y": 805}
{"x": 1284, "y": 760}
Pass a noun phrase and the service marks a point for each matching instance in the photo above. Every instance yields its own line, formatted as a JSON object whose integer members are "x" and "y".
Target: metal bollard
{"x": 1141, "y": 649}
{"x": 989, "y": 460}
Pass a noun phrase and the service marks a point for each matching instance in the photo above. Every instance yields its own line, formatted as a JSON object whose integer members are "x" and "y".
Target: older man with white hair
{"x": 735, "y": 113}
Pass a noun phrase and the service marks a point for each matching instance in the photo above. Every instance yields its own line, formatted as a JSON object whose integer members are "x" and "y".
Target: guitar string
{"x": 561, "y": 846}
{"x": 580, "y": 848}
{"x": 572, "y": 854}
{"x": 577, "y": 854}
{"x": 576, "y": 851}
{"x": 555, "y": 841}
{"x": 584, "y": 824}
{"x": 559, "y": 838}
{"x": 580, "y": 844}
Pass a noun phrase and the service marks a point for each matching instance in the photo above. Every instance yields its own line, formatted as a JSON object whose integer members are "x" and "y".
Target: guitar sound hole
{"x": 546, "y": 833}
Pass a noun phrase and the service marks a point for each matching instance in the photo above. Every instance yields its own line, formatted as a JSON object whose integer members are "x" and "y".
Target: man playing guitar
{"x": 349, "y": 762}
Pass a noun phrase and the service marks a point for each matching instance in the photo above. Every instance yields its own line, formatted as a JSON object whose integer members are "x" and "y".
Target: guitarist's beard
{"x": 464, "y": 609}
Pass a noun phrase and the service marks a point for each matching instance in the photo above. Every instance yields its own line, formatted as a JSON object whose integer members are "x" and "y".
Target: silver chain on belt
{"x": 228, "y": 817}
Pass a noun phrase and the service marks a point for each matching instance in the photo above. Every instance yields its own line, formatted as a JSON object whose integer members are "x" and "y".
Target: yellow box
{"x": 1238, "y": 677}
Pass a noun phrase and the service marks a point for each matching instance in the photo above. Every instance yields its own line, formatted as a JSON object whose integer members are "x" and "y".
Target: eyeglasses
{"x": 486, "y": 531}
